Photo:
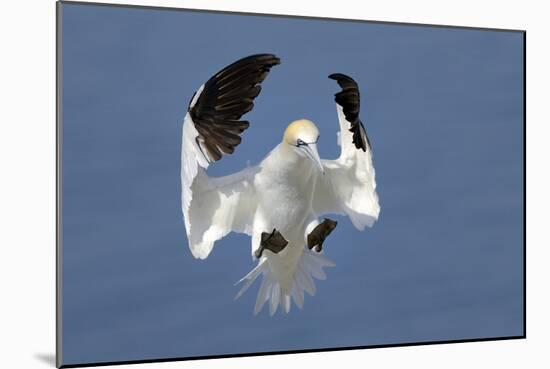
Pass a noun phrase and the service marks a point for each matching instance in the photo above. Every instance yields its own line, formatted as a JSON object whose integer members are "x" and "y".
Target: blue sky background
{"x": 443, "y": 108}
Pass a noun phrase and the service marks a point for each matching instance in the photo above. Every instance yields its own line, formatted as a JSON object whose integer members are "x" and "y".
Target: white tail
{"x": 310, "y": 266}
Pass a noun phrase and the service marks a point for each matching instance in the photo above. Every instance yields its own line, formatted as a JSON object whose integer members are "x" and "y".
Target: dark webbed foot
{"x": 320, "y": 233}
{"x": 274, "y": 242}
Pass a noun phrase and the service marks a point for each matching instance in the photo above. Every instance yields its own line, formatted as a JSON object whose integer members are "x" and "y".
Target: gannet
{"x": 278, "y": 202}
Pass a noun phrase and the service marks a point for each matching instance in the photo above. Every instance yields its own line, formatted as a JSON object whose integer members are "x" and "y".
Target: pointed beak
{"x": 313, "y": 154}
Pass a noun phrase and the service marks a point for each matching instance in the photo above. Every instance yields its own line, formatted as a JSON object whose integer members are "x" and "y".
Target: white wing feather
{"x": 212, "y": 207}
{"x": 348, "y": 185}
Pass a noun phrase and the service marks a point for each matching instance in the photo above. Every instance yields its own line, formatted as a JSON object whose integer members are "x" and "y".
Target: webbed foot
{"x": 274, "y": 242}
{"x": 320, "y": 233}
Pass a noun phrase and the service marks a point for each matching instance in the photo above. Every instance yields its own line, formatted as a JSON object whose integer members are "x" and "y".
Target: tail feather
{"x": 288, "y": 303}
{"x": 249, "y": 278}
{"x": 315, "y": 269}
{"x": 305, "y": 281}
{"x": 310, "y": 266}
{"x": 275, "y": 295}
{"x": 263, "y": 295}
{"x": 297, "y": 296}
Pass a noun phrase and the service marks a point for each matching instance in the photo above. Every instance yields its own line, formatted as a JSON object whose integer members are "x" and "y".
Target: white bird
{"x": 278, "y": 202}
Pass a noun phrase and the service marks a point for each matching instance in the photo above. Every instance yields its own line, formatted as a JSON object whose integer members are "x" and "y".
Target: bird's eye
{"x": 300, "y": 142}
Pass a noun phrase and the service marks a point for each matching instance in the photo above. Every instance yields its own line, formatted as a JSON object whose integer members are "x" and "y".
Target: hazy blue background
{"x": 443, "y": 108}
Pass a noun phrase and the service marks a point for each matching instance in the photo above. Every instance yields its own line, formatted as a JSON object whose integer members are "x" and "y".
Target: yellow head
{"x": 302, "y": 136}
{"x": 301, "y": 130}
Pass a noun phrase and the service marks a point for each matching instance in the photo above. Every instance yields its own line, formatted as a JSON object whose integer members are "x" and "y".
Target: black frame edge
{"x": 305, "y": 351}
{"x": 525, "y": 184}
{"x": 58, "y": 199}
{"x": 169, "y": 8}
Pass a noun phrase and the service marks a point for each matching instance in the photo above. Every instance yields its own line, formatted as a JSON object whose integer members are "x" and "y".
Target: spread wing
{"x": 213, "y": 207}
{"x": 348, "y": 185}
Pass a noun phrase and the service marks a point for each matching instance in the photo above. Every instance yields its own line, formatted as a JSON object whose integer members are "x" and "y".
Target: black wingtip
{"x": 224, "y": 99}
{"x": 344, "y": 80}
{"x": 272, "y": 58}
{"x": 349, "y": 99}
{"x": 340, "y": 76}
{"x": 262, "y": 58}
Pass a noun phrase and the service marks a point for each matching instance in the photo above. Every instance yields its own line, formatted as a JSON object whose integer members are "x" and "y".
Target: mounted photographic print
{"x": 243, "y": 184}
